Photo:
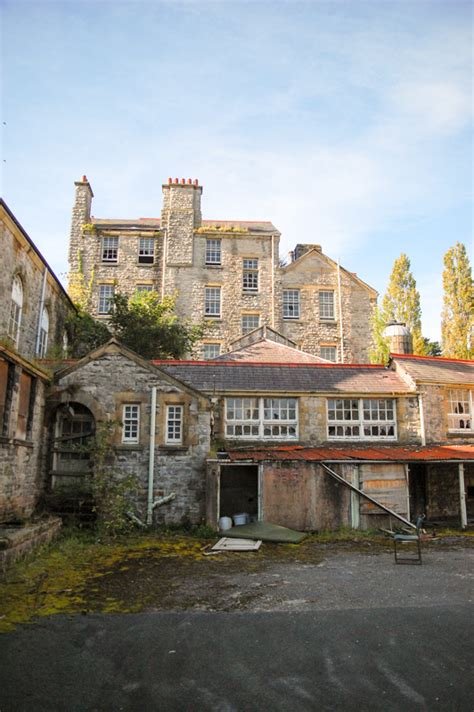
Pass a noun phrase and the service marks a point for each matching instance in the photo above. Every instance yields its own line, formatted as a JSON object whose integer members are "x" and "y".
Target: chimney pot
{"x": 170, "y": 180}
{"x": 84, "y": 179}
{"x": 196, "y": 182}
{"x": 189, "y": 181}
{"x": 176, "y": 180}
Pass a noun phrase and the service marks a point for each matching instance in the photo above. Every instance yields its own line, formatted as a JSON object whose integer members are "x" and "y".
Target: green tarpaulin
{"x": 266, "y": 532}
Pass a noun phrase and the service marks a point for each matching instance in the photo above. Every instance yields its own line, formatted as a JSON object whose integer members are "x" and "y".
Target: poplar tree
{"x": 457, "y": 318}
{"x": 401, "y": 303}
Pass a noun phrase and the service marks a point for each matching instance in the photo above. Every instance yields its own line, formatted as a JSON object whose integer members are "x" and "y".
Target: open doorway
{"x": 417, "y": 490}
{"x": 239, "y": 491}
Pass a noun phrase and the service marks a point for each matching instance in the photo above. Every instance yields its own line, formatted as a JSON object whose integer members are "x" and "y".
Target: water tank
{"x": 399, "y": 338}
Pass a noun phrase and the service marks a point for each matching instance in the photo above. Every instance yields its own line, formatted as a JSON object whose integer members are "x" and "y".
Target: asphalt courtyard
{"x": 350, "y": 632}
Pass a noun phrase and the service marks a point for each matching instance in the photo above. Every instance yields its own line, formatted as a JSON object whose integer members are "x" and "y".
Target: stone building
{"x": 224, "y": 273}
{"x": 301, "y": 442}
{"x": 33, "y": 310}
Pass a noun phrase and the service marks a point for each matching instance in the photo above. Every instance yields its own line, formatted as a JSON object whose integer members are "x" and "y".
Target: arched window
{"x": 43, "y": 335}
{"x": 16, "y": 310}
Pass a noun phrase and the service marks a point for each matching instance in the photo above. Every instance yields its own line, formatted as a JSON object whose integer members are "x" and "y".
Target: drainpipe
{"x": 462, "y": 496}
{"x": 41, "y": 307}
{"x": 151, "y": 460}
{"x": 273, "y": 281}
{"x": 339, "y": 296}
{"x": 164, "y": 258}
{"x": 422, "y": 419}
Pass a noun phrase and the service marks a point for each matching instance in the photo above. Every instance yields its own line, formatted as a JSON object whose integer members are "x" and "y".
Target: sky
{"x": 347, "y": 124}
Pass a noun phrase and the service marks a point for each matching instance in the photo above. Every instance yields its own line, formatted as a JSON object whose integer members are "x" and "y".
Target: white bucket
{"x": 225, "y": 523}
{"x": 241, "y": 519}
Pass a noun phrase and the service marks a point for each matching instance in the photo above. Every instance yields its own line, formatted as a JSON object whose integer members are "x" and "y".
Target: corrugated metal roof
{"x": 219, "y": 376}
{"x": 434, "y": 453}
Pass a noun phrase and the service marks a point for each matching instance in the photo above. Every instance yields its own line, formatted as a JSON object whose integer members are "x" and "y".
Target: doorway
{"x": 239, "y": 491}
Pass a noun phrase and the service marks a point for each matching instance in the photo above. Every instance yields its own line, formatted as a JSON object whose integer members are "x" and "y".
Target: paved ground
{"x": 351, "y": 632}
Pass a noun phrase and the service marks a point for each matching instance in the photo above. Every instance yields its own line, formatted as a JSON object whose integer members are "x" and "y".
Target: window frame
{"x": 328, "y": 307}
{"x": 357, "y": 421}
{"x": 209, "y": 301}
{"x": 106, "y": 248}
{"x": 328, "y": 346}
{"x": 177, "y": 424}
{"x": 145, "y": 256}
{"x": 246, "y": 330}
{"x": 213, "y": 252}
{"x": 43, "y": 334}
{"x": 250, "y": 275}
{"x": 452, "y": 414}
{"x": 132, "y": 423}
{"x": 16, "y": 309}
{"x": 295, "y": 303}
{"x": 257, "y": 424}
{"x": 210, "y": 343}
{"x": 103, "y": 299}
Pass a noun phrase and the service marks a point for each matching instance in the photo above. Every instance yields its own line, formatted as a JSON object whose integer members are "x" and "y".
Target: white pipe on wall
{"x": 41, "y": 307}
{"x": 151, "y": 460}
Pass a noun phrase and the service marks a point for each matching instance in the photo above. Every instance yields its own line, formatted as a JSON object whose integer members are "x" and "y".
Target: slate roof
{"x": 437, "y": 453}
{"x": 155, "y": 223}
{"x": 428, "y": 369}
{"x": 268, "y": 351}
{"x": 224, "y": 376}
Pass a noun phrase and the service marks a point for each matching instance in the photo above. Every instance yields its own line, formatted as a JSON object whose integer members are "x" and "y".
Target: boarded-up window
{"x": 23, "y": 406}
{"x": 7, "y": 380}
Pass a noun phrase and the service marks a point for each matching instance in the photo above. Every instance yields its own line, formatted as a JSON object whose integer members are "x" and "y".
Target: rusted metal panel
{"x": 212, "y": 494}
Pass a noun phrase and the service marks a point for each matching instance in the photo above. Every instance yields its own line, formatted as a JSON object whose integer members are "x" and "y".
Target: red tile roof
{"x": 434, "y": 453}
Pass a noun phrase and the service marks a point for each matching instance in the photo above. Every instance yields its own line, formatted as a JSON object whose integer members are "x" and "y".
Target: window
{"x": 250, "y": 275}
{"x": 131, "y": 423}
{"x": 43, "y": 334}
{"x": 174, "y": 424}
{"x": 211, "y": 351}
{"x": 459, "y": 410}
{"x": 213, "y": 252}
{"x": 16, "y": 308}
{"x": 26, "y": 400}
{"x": 361, "y": 418}
{"x": 144, "y": 288}
{"x": 262, "y": 418}
{"x": 250, "y": 322}
{"x": 106, "y": 294}
{"x": 328, "y": 352}
{"x": 212, "y": 301}
{"x": 110, "y": 249}
{"x": 7, "y": 383}
{"x": 291, "y": 303}
{"x": 326, "y": 305}
{"x": 146, "y": 251}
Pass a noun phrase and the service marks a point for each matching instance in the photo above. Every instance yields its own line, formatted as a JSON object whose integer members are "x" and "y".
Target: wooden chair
{"x": 414, "y": 558}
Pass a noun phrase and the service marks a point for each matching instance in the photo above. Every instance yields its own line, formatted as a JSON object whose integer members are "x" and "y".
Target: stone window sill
{"x": 215, "y": 267}
{"x": 461, "y": 434}
{"x": 328, "y": 321}
{"x": 129, "y": 446}
{"x": 146, "y": 264}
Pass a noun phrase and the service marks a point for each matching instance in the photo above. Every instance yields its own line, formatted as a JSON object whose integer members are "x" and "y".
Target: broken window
{"x": 110, "y": 249}
{"x": 459, "y": 410}
{"x": 291, "y": 304}
{"x": 250, "y": 275}
{"x": 262, "y": 418}
{"x": 361, "y": 418}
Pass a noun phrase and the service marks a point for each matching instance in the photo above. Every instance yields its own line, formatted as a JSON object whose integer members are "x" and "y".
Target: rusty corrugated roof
{"x": 434, "y": 453}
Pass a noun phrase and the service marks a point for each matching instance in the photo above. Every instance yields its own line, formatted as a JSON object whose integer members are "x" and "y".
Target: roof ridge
{"x": 279, "y": 364}
{"x": 431, "y": 358}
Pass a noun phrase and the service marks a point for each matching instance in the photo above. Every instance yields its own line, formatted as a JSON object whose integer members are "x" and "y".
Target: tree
{"x": 401, "y": 303}
{"x": 457, "y": 316}
{"x": 151, "y": 327}
{"x": 85, "y": 333}
{"x": 380, "y": 351}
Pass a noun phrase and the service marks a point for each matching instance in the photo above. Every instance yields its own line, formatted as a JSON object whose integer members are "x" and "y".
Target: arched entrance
{"x": 73, "y": 430}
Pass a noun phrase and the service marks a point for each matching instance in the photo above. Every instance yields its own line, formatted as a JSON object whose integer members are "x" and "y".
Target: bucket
{"x": 225, "y": 523}
{"x": 241, "y": 519}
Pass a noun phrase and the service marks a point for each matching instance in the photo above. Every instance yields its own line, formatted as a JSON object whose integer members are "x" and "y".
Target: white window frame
{"x": 43, "y": 334}
{"x": 460, "y": 409}
{"x": 333, "y": 351}
{"x": 110, "y": 248}
{"x": 144, "y": 288}
{"x": 131, "y": 423}
{"x": 146, "y": 250}
{"x": 250, "y": 274}
{"x": 261, "y": 418}
{"x": 291, "y": 303}
{"x": 16, "y": 310}
{"x": 326, "y": 305}
{"x": 252, "y": 317}
{"x": 174, "y": 424}
{"x": 106, "y": 294}
{"x": 350, "y": 418}
{"x": 216, "y": 349}
{"x": 213, "y": 252}
{"x": 212, "y": 302}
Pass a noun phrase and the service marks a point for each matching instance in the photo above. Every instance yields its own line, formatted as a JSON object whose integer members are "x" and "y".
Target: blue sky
{"x": 348, "y": 124}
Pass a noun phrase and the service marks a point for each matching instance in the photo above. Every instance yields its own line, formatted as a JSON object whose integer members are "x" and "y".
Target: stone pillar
{"x": 81, "y": 215}
{"x": 180, "y": 216}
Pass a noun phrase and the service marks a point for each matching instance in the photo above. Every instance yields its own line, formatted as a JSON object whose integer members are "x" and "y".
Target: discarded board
{"x": 266, "y": 532}
{"x": 226, "y": 544}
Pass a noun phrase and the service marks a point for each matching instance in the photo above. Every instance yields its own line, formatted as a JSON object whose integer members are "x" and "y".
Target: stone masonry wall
{"x": 18, "y": 258}
{"x": 435, "y": 405}
{"x": 114, "y": 380}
